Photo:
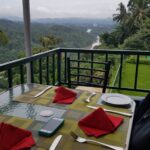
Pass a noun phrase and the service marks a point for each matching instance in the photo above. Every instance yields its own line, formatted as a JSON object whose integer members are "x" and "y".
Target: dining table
{"x": 20, "y": 108}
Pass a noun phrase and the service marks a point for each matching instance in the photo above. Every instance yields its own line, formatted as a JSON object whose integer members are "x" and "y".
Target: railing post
{"x": 78, "y": 67}
{"x": 68, "y": 72}
{"x": 53, "y": 69}
{"x": 21, "y": 74}
{"x": 40, "y": 70}
{"x": 47, "y": 70}
{"x": 32, "y": 72}
{"x": 120, "y": 73}
{"x": 106, "y": 76}
{"x": 136, "y": 72}
{"x": 10, "y": 82}
{"x": 59, "y": 67}
{"x": 65, "y": 67}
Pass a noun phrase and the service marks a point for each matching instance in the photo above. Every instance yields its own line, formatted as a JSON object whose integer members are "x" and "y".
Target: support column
{"x": 27, "y": 35}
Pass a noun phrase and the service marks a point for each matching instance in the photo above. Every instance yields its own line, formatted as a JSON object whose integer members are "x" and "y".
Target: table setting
{"x": 88, "y": 123}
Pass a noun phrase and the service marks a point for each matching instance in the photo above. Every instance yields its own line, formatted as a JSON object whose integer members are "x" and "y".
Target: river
{"x": 96, "y": 43}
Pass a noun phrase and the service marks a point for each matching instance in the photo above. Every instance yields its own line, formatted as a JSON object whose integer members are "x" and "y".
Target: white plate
{"x": 116, "y": 99}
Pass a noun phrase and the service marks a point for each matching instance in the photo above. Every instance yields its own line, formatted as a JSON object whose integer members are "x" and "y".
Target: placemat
{"x": 45, "y": 99}
{"x": 70, "y": 124}
{"x": 73, "y": 114}
{"x": 80, "y": 103}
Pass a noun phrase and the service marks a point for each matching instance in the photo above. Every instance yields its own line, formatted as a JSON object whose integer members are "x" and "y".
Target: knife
{"x": 40, "y": 93}
{"x": 112, "y": 111}
{"x": 55, "y": 142}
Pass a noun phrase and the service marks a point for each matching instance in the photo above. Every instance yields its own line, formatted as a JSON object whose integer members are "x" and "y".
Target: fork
{"x": 84, "y": 140}
{"x": 89, "y": 98}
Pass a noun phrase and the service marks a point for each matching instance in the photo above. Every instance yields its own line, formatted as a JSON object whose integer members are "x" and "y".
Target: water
{"x": 96, "y": 43}
{"x": 89, "y": 30}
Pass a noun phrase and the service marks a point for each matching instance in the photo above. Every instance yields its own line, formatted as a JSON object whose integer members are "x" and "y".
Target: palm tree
{"x": 3, "y": 38}
{"x": 140, "y": 10}
{"x": 122, "y": 16}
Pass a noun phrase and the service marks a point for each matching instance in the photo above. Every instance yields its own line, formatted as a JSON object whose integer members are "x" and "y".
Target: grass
{"x": 128, "y": 78}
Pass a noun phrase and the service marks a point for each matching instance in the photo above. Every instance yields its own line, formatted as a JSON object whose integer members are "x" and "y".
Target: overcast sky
{"x": 62, "y": 8}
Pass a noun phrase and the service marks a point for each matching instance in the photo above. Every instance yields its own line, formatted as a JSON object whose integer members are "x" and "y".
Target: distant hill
{"x": 72, "y": 35}
{"x": 65, "y": 21}
{"x": 75, "y": 21}
{"x": 11, "y": 18}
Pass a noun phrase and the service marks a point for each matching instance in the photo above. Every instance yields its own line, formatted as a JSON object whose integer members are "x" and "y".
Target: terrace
{"x": 34, "y": 72}
{"x": 50, "y": 68}
{"x": 52, "y": 65}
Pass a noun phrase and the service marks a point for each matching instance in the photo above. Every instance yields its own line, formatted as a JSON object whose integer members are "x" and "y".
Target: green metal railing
{"x": 52, "y": 66}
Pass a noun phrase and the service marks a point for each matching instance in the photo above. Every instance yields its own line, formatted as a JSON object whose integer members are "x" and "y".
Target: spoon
{"x": 89, "y": 98}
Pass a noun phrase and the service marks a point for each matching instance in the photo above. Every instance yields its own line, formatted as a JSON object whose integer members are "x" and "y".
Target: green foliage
{"x": 140, "y": 40}
{"x": 143, "y": 60}
{"x": 65, "y": 36}
{"x": 109, "y": 39}
{"x": 133, "y": 31}
{"x": 140, "y": 10}
{"x": 50, "y": 41}
{"x": 3, "y": 38}
{"x": 122, "y": 16}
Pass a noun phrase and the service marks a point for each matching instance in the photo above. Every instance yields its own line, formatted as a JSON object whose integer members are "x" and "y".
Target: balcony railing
{"x": 50, "y": 67}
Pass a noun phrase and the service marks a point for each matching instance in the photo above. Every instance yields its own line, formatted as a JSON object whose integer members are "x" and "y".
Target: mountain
{"x": 65, "y": 21}
{"x": 75, "y": 21}
{"x": 12, "y": 18}
{"x": 75, "y": 36}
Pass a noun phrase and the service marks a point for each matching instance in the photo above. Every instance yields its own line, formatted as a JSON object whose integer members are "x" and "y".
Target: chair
{"x": 88, "y": 73}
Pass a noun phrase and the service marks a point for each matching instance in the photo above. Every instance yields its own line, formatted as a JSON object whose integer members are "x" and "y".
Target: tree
{"x": 140, "y": 40}
{"x": 45, "y": 41}
{"x": 140, "y": 10}
{"x": 109, "y": 39}
{"x": 3, "y": 38}
{"x": 49, "y": 41}
{"x": 122, "y": 16}
{"x": 131, "y": 21}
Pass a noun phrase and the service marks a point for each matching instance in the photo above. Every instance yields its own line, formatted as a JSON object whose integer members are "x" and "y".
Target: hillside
{"x": 71, "y": 35}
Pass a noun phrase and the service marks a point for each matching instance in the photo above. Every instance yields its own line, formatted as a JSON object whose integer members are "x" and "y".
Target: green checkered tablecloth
{"x": 73, "y": 114}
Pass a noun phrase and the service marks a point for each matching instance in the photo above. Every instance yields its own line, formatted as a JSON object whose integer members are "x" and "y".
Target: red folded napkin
{"x": 14, "y": 138}
{"x": 64, "y": 95}
{"x": 99, "y": 123}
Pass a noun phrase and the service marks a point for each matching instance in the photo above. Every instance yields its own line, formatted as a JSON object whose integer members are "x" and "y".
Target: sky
{"x": 62, "y": 8}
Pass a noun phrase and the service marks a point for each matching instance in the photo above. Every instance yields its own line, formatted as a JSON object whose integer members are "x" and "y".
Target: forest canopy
{"x": 133, "y": 30}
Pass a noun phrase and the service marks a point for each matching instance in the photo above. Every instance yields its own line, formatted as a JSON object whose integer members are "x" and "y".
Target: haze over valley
{"x": 72, "y": 32}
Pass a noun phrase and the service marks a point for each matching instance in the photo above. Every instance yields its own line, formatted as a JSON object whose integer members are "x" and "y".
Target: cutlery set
{"x": 43, "y": 91}
{"x": 88, "y": 100}
{"x": 81, "y": 139}
{"x": 112, "y": 111}
{"x": 84, "y": 140}
{"x": 55, "y": 142}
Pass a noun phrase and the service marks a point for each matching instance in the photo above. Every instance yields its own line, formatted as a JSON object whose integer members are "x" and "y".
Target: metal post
{"x": 27, "y": 35}
{"x": 59, "y": 67}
